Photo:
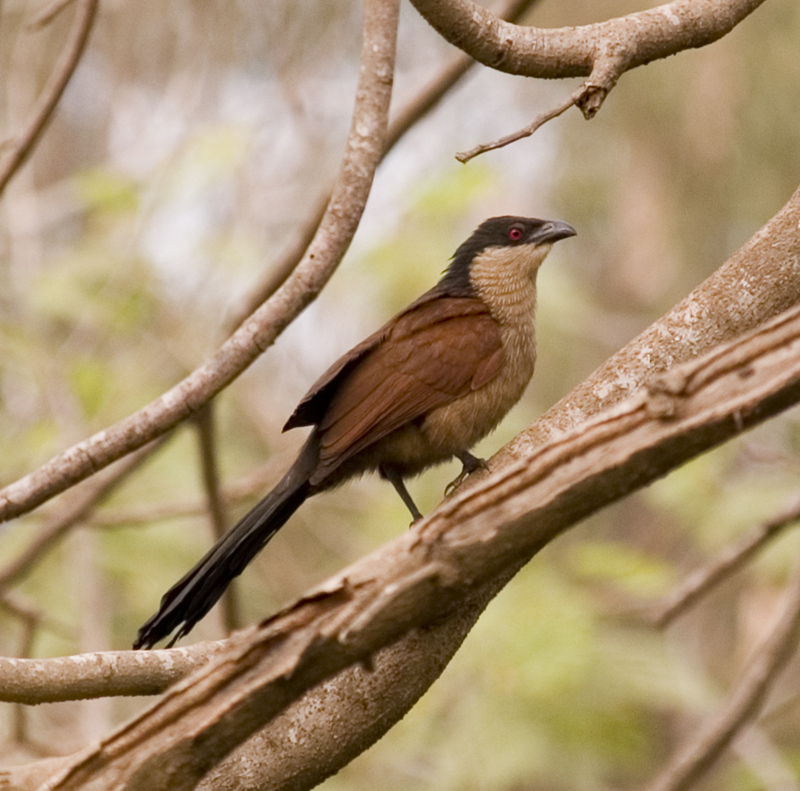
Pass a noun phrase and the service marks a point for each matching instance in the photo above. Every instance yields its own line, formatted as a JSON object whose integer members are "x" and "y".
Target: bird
{"x": 423, "y": 389}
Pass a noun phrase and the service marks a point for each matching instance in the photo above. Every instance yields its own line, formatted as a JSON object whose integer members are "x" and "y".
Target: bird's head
{"x": 506, "y": 247}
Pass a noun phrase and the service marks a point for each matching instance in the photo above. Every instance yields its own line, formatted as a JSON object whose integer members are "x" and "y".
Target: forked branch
{"x": 602, "y": 52}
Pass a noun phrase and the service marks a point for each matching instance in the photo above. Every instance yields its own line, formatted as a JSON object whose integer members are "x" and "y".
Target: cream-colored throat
{"x": 505, "y": 280}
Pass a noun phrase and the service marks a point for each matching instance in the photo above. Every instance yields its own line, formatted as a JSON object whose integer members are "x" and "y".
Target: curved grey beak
{"x": 552, "y": 231}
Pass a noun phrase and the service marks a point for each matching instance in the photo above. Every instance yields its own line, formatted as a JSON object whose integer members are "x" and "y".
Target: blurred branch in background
{"x": 19, "y": 148}
{"x": 703, "y": 580}
{"x": 744, "y": 702}
{"x": 208, "y": 452}
{"x": 72, "y": 515}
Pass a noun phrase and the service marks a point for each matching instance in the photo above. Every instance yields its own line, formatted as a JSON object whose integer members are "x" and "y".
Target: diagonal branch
{"x": 703, "y": 748}
{"x": 407, "y": 116}
{"x": 756, "y": 283}
{"x": 364, "y": 147}
{"x": 759, "y": 280}
{"x": 76, "y": 511}
{"x": 727, "y": 563}
{"x": 23, "y": 144}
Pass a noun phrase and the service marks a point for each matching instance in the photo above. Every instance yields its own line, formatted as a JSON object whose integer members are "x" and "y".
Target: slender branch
{"x": 701, "y": 581}
{"x": 436, "y": 568}
{"x": 48, "y": 13}
{"x": 527, "y": 131}
{"x": 243, "y": 489}
{"x": 25, "y": 141}
{"x": 703, "y": 748}
{"x": 408, "y": 115}
{"x": 364, "y": 148}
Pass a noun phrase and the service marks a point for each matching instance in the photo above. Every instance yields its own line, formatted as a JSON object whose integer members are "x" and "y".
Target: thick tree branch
{"x": 766, "y": 271}
{"x": 612, "y": 47}
{"x": 756, "y": 283}
{"x": 23, "y": 144}
{"x": 364, "y": 147}
{"x": 469, "y": 542}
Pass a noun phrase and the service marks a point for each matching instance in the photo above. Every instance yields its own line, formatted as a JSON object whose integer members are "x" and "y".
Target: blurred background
{"x": 193, "y": 142}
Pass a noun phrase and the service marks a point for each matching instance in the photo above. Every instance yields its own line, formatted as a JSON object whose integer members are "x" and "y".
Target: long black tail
{"x": 186, "y": 602}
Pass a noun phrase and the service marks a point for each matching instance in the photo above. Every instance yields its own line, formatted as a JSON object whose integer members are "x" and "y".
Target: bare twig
{"x": 527, "y": 131}
{"x": 208, "y": 452}
{"x": 19, "y": 607}
{"x": 144, "y": 513}
{"x": 729, "y": 561}
{"x": 364, "y": 148}
{"x": 25, "y": 141}
{"x": 702, "y": 749}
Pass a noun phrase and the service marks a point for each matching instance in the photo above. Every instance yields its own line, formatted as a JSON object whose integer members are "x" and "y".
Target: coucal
{"x": 423, "y": 389}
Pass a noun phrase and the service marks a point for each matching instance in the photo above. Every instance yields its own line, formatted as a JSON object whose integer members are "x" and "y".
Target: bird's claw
{"x": 466, "y": 470}
{"x": 455, "y": 483}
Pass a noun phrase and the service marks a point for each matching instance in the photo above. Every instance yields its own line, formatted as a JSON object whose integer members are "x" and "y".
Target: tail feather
{"x": 186, "y": 602}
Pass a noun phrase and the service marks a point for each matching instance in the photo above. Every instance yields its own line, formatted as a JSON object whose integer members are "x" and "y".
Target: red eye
{"x": 515, "y": 233}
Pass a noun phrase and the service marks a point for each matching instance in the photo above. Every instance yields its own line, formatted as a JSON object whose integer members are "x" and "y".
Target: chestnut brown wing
{"x": 433, "y": 354}
{"x": 312, "y": 407}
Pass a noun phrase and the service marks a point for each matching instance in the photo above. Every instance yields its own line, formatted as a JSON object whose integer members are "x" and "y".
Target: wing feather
{"x": 436, "y": 352}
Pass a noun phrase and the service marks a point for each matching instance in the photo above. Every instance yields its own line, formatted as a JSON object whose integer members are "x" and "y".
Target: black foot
{"x": 471, "y": 463}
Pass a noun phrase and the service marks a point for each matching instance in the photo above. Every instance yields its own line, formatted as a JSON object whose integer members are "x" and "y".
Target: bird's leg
{"x": 471, "y": 463}
{"x": 394, "y": 477}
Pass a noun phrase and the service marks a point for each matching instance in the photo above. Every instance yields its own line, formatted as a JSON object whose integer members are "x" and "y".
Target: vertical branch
{"x": 205, "y": 423}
